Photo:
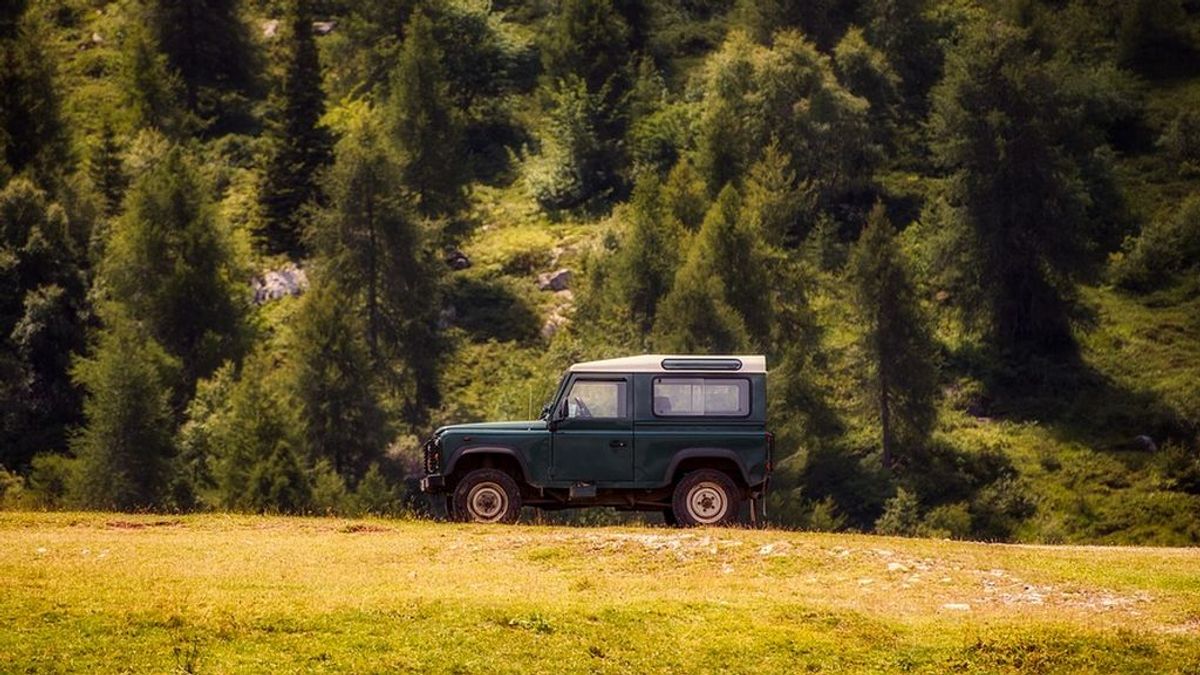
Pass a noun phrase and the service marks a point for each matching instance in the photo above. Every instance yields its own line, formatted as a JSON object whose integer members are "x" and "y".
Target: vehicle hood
{"x": 478, "y": 427}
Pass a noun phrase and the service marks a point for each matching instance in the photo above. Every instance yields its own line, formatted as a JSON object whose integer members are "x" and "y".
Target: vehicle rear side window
{"x": 701, "y": 397}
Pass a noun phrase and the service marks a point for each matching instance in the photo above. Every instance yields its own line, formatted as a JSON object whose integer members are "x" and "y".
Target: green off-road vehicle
{"x": 681, "y": 435}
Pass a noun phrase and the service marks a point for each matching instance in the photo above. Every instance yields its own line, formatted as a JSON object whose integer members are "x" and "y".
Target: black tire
{"x": 669, "y": 518}
{"x": 706, "y": 497}
{"x": 487, "y": 496}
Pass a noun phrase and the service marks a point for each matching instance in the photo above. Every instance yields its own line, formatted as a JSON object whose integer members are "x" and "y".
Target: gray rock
{"x": 554, "y": 323}
{"x": 558, "y": 280}
{"x": 457, "y": 260}
{"x": 290, "y": 279}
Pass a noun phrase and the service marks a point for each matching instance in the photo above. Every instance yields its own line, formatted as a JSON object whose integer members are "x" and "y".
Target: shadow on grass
{"x": 1076, "y": 400}
{"x": 492, "y": 309}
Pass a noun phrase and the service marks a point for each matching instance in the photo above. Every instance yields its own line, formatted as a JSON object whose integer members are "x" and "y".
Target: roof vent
{"x": 702, "y": 364}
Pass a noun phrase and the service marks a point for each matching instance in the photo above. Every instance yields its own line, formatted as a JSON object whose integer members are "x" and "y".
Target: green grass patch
{"x": 221, "y": 593}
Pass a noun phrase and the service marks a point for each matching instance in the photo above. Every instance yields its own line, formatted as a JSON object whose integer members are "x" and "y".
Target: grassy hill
{"x": 218, "y": 593}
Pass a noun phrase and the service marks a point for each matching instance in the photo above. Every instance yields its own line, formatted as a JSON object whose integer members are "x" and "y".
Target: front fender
{"x": 504, "y": 450}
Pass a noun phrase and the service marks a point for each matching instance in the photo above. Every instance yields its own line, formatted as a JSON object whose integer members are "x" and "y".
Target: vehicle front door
{"x": 593, "y": 438}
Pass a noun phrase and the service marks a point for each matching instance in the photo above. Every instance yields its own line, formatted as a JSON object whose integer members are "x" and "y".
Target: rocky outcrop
{"x": 558, "y": 280}
{"x": 289, "y": 280}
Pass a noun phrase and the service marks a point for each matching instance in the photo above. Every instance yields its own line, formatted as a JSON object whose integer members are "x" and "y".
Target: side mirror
{"x": 557, "y": 414}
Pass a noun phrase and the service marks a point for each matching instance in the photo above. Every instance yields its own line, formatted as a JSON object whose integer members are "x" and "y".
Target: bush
{"x": 1165, "y": 248}
{"x": 50, "y": 479}
{"x": 949, "y": 521}
{"x": 329, "y": 495}
{"x": 901, "y": 515}
{"x": 1181, "y": 141}
{"x": 376, "y": 495}
{"x": 12, "y": 489}
{"x": 999, "y": 507}
{"x": 1181, "y": 467}
{"x": 824, "y": 517}
{"x": 575, "y": 165}
{"x": 513, "y": 250}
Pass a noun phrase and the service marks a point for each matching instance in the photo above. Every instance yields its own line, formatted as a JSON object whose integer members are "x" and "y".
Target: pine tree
{"x": 684, "y": 195}
{"x": 424, "y": 125}
{"x": 822, "y": 20}
{"x": 375, "y": 495}
{"x": 589, "y": 39}
{"x": 106, "y": 170}
{"x": 785, "y": 95}
{"x": 334, "y": 382}
{"x": 124, "y": 451}
{"x": 32, "y": 134}
{"x": 774, "y": 206}
{"x": 898, "y": 349}
{"x": 44, "y": 310}
{"x": 299, "y": 147}
{"x": 575, "y": 164}
{"x": 279, "y": 484}
{"x": 650, "y": 254}
{"x": 720, "y": 298}
{"x": 865, "y": 71}
{"x": 1018, "y": 146}
{"x": 1152, "y": 35}
{"x": 370, "y": 240}
{"x": 255, "y": 465}
{"x": 209, "y": 46}
{"x": 905, "y": 33}
{"x": 151, "y": 90}
{"x": 170, "y": 264}
{"x": 694, "y": 318}
{"x": 734, "y": 251}
{"x": 585, "y": 60}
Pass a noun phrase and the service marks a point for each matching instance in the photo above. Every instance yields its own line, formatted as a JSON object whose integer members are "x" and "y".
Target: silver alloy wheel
{"x": 487, "y": 502}
{"x": 707, "y": 502}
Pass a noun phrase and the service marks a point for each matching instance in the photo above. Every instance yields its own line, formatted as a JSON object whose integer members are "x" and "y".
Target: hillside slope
{"x": 220, "y": 593}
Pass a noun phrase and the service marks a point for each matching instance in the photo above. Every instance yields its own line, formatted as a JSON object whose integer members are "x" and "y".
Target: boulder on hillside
{"x": 290, "y": 279}
{"x": 558, "y": 280}
{"x": 457, "y": 260}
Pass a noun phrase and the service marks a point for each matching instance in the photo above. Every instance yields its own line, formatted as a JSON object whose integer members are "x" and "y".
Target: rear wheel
{"x": 487, "y": 496}
{"x": 669, "y": 518}
{"x": 706, "y": 497}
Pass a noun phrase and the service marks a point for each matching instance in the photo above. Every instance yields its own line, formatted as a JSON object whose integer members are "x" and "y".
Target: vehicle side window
{"x": 597, "y": 398}
{"x": 701, "y": 397}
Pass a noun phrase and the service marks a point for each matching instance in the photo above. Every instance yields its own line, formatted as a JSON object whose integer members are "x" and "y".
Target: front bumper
{"x": 434, "y": 482}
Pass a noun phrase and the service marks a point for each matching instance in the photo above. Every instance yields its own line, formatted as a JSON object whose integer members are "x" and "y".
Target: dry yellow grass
{"x": 232, "y": 593}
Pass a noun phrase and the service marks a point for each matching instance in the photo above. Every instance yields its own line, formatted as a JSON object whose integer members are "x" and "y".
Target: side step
{"x": 582, "y": 491}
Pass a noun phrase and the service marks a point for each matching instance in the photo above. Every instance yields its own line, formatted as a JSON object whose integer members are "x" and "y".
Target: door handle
{"x": 616, "y": 444}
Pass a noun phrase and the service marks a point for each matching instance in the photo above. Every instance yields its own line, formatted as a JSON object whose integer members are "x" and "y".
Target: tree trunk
{"x": 885, "y": 417}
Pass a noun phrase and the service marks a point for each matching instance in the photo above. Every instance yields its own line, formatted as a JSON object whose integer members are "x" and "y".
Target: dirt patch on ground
{"x": 355, "y": 528}
{"x": 140, "y": 524}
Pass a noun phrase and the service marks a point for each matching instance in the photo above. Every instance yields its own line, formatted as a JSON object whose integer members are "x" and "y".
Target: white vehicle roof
{"x": 676, "y": 363}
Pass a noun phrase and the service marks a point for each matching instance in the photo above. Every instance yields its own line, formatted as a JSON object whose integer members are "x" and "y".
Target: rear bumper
{"x": 434, "y": 482}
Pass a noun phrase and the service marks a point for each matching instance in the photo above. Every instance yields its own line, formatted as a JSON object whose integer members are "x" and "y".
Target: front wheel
{"x": 487, "y": 496}
{"x": 706, "y": 497}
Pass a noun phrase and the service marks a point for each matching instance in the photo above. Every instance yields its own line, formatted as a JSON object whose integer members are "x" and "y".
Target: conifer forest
{"x": 253, "y": 252}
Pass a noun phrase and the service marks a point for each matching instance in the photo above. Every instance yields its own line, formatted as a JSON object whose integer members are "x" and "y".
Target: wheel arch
{"x": 501, "y": 457}
{"x": 721, "y": 459}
